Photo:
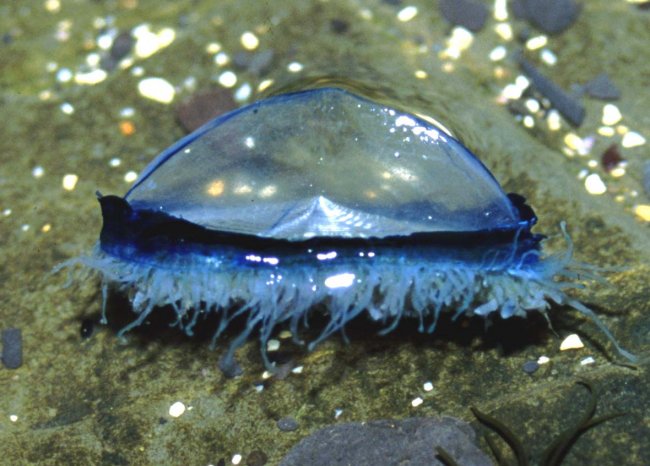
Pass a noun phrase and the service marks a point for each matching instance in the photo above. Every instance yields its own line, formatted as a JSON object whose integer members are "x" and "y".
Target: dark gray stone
{"x": 466, "y": 13}
{"x": 550, "y": 16}
{"x": 409, "y": 442}
{"x": 570, "y": 108}
{"x": 12, "y": 348}
{"x": 530, "y": 367}
{"x": 601, "y": 87}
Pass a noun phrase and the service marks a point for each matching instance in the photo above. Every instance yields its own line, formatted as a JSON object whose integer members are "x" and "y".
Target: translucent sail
{"x": 323, "y": 162}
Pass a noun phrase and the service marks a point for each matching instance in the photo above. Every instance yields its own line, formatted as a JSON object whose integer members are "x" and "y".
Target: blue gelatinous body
{"x": 324, "y": 198}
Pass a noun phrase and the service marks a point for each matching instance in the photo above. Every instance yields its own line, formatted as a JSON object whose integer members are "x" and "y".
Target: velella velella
{"x": 322, "y": 200}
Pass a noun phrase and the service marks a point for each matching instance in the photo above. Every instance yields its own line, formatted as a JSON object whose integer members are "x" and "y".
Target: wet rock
{"x": 408, "y": 442}
{"x": 601, "y": 87}
{"x": 203, "y": 106}
{"x": 550, "y": 16}
{"x": 466, "y": 13}
{"x": 12, "y": 348}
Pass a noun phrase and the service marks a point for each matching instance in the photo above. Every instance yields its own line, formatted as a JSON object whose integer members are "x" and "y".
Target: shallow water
{"x": 103, "y": 401}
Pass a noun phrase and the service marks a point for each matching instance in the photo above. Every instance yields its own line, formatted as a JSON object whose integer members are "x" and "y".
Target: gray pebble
{"x": 287, "y": 424}
{"x": 12, "y": 348}
{"x": 551, "y": 16}
{"x": 530, "y": 367}
{"x": 467, "y": 13}
{"x": 601, "y": 87}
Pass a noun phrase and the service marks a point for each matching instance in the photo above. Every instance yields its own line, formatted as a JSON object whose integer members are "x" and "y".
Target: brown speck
{"x": 203, "y": 106}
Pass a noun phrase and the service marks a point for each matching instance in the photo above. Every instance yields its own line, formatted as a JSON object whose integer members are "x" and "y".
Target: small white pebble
{"x": 498, "y": 53}
{"x": 536, "y": 42}
{"x": 297, "y": 369}
{"x": 243, "y": 93}
{"x": 595, "y": 185}
{"x": 115, "y": 162}
{"x": 407, "y": 13}
{"x": 236, "y": 459}
{"x": 249, "y": 40}
{"x": 295, "y": 67}
{"x": 504, "y": 30}
{"x": 548, "y": 57}
{"x": 573, "y": 341}
{"x": 611, "y": 115}
{"x": 272, "y": 345}
{"x": 428, "y": 386}
{"x": 543, "y": 360}
{"x": 130, "y": 176}
{"x": 221, "y": 59}
{"x": 632, "y": 139}
{"x": 64, "y": 75}
{"x": 227, "y": 79}
{"x": 177, "y": 409}
{"x": 157, "y": 89}
{"x": 91, "y": 77}
{"x": 588, "y": 360}
{"x": 606, "y": 131}
{"x": 337, "y": 413}
{"x": 70, "y": 181}
{"x": 38, "y": 171}
{"x": 553, "y": 120}
{"x": 67, "y": 108}
{"x": 417, "y": 402}
{"x": 13, "y": 417}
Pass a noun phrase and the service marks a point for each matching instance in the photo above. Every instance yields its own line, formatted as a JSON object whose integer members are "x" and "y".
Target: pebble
{"x": 550, "y": 16}
{"x": 12, "y": 348}
{"x": 157, "y": 89}
{"x": 287, "y": 424}
{"x": 632, "y": 139}
{"x": 530, "y": 367}
{"x": 466, "y": 13}
{"x": 121, "y": 46}
{"x": 601, "y": 87}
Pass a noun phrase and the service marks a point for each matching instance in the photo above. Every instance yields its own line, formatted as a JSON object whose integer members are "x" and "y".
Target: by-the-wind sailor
{"x": 322, "y": 197}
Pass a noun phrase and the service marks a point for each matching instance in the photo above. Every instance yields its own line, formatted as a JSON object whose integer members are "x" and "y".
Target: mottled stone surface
{"x": 106, "y": 401}
{"x": 408, "y": 442}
